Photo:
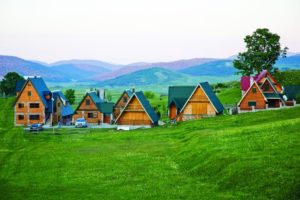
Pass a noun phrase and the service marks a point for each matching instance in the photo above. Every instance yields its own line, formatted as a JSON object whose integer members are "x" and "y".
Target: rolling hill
{"x": 173, "y": 65}
{"x": 214, "y": 68}
{"x": 146, "y": 77}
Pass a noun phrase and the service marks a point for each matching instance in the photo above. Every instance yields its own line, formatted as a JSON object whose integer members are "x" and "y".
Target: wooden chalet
{"x": 63, "y": 111}
{"x": 193, "y": 102}
{"x": 94, "y": 109}
{"x": 261, "y": 92}
{"x": 34, "y": 103}
{"x": 120, "y": 104}
{"x": 137, "y": 112}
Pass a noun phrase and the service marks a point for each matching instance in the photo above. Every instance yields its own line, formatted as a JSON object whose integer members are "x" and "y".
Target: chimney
{"x": 133, "y": 90}
{"x": 251, "y": 80}
{"x": 101, "y": 93}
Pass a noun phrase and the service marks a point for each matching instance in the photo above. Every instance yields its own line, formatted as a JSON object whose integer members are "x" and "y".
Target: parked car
{"x": 36, "y": 127}
{"x": 80, "y": 122}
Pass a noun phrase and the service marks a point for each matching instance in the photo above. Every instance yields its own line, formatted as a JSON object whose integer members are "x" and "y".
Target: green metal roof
{"x": 272, "y": 95}
{"x": 145, "y": 103}
{"x": 291, "y": 91}
{"x": 105, "y": 107}
{"x": 179, "y": 95}
{"x": 212, "y": 96}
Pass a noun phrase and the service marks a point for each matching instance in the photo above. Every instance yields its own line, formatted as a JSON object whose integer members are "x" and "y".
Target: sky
{"x": 128, "y": 31}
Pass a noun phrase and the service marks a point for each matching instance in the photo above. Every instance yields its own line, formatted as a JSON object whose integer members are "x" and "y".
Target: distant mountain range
{"x": 140, "y": 73}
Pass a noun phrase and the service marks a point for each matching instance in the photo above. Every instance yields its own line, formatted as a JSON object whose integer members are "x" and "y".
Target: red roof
{"x": 259, "y": 76}
{"x": 245, "y": 83}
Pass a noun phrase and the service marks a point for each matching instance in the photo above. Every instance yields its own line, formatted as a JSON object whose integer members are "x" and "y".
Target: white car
{"x": 80, "y": 122}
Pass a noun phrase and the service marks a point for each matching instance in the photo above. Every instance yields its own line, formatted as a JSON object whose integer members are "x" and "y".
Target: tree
{"x": 9, "y": 82}
{"x": 149, "y": 94}
{"x": 262, "y": 50}
{"x": 108, "y": 96}
{"x": 70, "y": 95}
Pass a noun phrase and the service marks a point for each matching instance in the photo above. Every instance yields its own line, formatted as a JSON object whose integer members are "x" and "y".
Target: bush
{"x": 149, "y": 94}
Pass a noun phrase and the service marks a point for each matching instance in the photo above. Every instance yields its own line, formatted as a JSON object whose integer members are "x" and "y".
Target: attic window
{"x": 87, "y": 102}
{"x": 58, "y": 104}
{"x": 266, "y": 88}
{"x": 29, "y": 93}
{"x": 253, "y": 90}
{"x": 125, "y": 99}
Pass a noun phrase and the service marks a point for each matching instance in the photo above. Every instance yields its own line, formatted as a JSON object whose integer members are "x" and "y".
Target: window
{"x": 20, "y": 117}
{"x": 34, "y": 117}
{"x": 58, "y": 104}
{"x": 87, "y": 102}
{"x": 29, "y": 93}
{"x": 21, "y": 105}
{"x": 251, "y": 103}
{"x": 34, "y": 105}
{"x": 267, "y": 88}
{"x": 90, "y": 115}
{"x": 254, "y": 90}
{"x": 125, "y": 100}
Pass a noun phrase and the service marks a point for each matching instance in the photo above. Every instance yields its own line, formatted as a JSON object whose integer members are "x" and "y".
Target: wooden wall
{"x": 257, "y": 97}
{"x": 197, "y": 107}
{"x": 172, "y": 111}
{"x": 84, "y": 109}
{"x": 276, "y": 84}
{"x": 264, "y": 87}
{"x": 120, "y": 104}
{"x": 134, "y": 114}
{"x": 26, "y": 111}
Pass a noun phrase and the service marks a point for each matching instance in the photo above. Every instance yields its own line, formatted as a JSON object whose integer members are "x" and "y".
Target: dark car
{"x": 36, "y": 127}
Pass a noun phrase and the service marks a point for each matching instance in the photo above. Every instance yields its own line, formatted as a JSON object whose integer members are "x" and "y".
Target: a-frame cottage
{"x": 260, "y": 92}
{"x": 34, "y": 104}
{"x": 94, "y": 109}
{"x": 193, "y": 102}
{"x": 120, "y": 104}
{"x": 137, "y": 112}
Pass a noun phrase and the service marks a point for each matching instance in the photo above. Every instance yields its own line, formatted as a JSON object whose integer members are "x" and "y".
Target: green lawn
{"x": 246, "y": 156}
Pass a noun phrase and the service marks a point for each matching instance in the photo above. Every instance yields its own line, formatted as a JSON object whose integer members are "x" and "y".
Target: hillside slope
{"x": 247, "y": 156}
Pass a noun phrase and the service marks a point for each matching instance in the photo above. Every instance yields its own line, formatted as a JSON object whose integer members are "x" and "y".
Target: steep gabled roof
{"x": 19, "y": 85}
{"x": 105, "y": 107}
{"x": 209, "y": 94}
{"x": 41, "y": 88}
{"x": 179, "y": 95}
{"x": 272, "y": 85}
{"x": 128, "y": 92}
{"x": 66, "y": 107}
{"x": 259, "y": 76}
{"x": 254, "y": 83}
{"x": 212, "y": 96}
{"x": 145, "y": 104}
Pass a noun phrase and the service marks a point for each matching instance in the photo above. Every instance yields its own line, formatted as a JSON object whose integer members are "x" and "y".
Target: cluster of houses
{"x": 35, "y": 103}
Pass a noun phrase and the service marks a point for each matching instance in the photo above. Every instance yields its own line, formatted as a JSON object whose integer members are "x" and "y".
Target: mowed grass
{"x": 246, "y": 156}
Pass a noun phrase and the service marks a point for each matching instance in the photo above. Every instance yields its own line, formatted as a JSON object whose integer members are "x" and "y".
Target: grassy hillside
{"x": 247, "y": 156}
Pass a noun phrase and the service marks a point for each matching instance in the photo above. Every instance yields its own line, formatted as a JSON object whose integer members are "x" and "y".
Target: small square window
{"x": 125, "y": 99}
{"x": 29, "y": 93}
{"x": 20, "y": 117}
{"x": 90, "y": 115}
{"x": 267, "y": 87}
{"x": 87, "y": 102}
{"x": 21, "y": 105}
{"x": 254, "y": 90}
{"x": 252, "y": 103}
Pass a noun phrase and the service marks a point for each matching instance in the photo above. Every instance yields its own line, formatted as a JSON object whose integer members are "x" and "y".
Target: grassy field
{"x": 246, "y": 156}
